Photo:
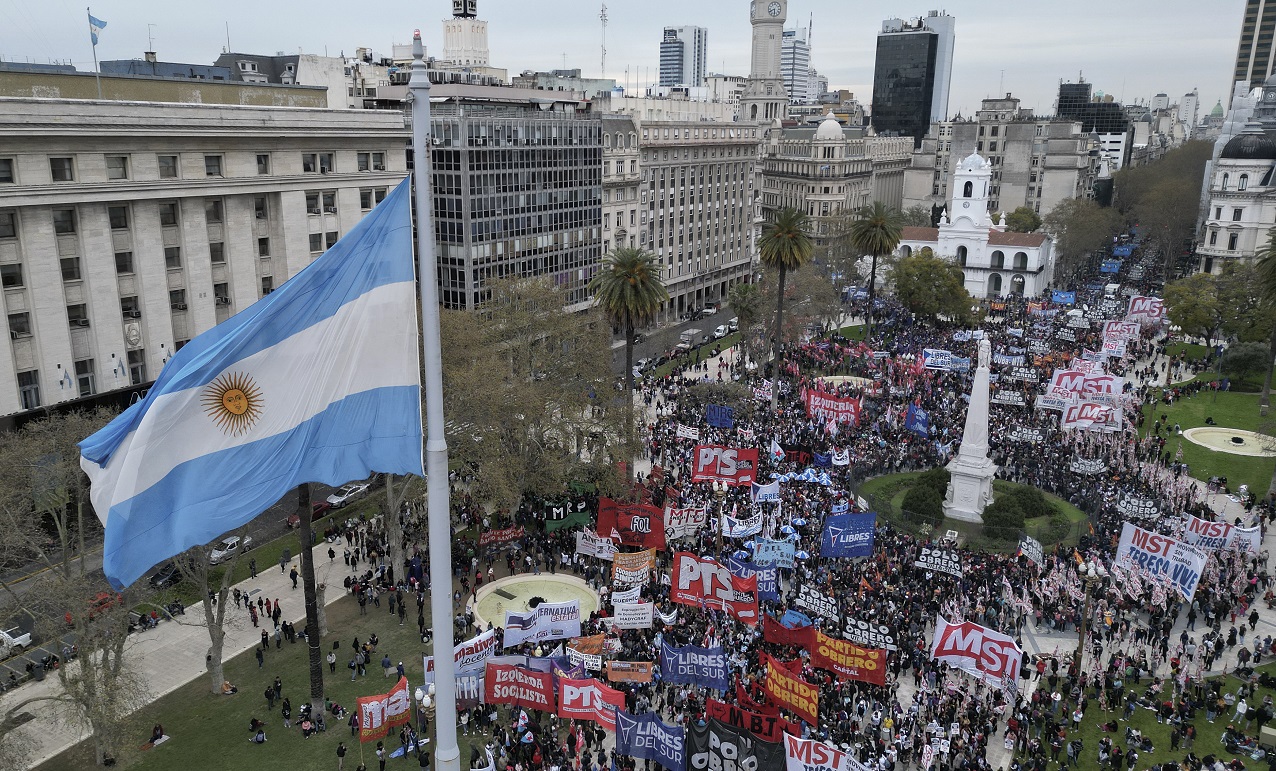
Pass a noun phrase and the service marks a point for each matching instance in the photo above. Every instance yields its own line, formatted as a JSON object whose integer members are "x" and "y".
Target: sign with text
{"x": 791, "y": 692}
{"x": 633, "y": 568}
{"x": 637, "y": 524}
{"x": 848, "y": 535}
{"x": 731, "y": 465}
{"x": 693, "y": 665}
{"x": 769, "y": 728}
{"x": 1031, "y": 548}
{"x": 1165, "y": 560}
{"x": 591, "y": 544}
{"x": 680, "y": 523}
{"x": 508, "y": 684}
{"x": 811, "y": 755}
{"x": 378, "y": 714}
{"x": 826, "y": 407}
{"x": 547, "y": 621}
{"x": 589, "y": 699}
{"x": 1220, "y": 535}
{"x": 778, "y": 553}
{"x": 716, "y": 746}
{"x": 768, "y": 577}
{"x": 493, "y": 537}
{"x": 469, "y": 656}
{"x": 868, "y": 635}
{"x": 817, "y": 602}
{"x": 629, "y": 671}
{"x": 849, "y": 660}
{"x": 703, "y": 582}
{"x": 634, "y": 615}
{"x": 719, "y": 416}
{"x": 646, "y": 737}
{"x": 986, "y": 654}
{"x": 1146, "y": 310}
{"x": 940, "y": 560}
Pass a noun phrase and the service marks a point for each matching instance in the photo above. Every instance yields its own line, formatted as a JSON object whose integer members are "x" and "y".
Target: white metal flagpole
{"x": 447, "y": 753}
{"x": 97, "y": 72}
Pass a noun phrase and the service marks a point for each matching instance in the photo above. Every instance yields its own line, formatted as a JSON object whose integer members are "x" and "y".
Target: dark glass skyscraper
{"x": 912, "y": 74}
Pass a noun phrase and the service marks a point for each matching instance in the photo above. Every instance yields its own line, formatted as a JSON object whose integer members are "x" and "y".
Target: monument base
{"x": 969, "y": 488}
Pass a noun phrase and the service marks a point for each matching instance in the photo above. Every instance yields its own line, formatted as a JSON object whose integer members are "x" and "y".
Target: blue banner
{"x": 1110, "y": 266}
{"x": 768, "y": 578}
{"x": 795, "y": 619}
{"x": 647, "y": 737}
{"x": 694, "y": 665}
{"x": 848, "y": 535}
{"x": 917, "y": 421}
{"x": 719, "y": 416}
{"x": 1125, "y": 250}
{"x": 778, "y": 553}
{"x": 822, "y": 460}
{"x": 1064, "y": 298}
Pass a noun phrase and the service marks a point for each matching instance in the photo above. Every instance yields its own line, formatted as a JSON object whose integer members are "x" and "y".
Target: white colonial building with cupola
{"x": 994, "y": 262}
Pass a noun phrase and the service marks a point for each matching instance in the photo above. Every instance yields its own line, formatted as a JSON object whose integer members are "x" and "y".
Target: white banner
{"x": 626, "y": 595}
{"x": 680, "y": 523}
{"x": 469, "y": 656}
{"x": 634, "y": 615}
{"x": 590, "y": 543}
{"x": 548, "y": 621}
{"x": 1165, "y": 560}
{"x": 688, "y": 432}
{"x": 743, "y": 527}
{"x": 1221, "y": 535}
{"x": 591, "y": 661}
{"x": 810, "y": 755}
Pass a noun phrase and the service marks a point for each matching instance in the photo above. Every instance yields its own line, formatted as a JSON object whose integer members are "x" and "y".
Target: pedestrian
{"x": 283, "y": 561}
{"x": 332, "y": 662}
{"x": 332, "y": 555}
{"x": 286, "y": 711}
{"x": 270, "y": 698}
{"x": 293, "y": 575}
{"x": 354, "y": 667}
{"x": 261, "y": 659}
{"x": 381, "y": 755}
{"x": 278, "y": 687}
{"x": 341, "y": 755}
{"x": 265, "y": 639}
{"x": 252, "y": 570}
{"x": 279, "y": 639}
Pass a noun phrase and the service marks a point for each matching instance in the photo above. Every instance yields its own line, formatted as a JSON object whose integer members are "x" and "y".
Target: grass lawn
{"x": 1193, "y": 351}
{"x": 1234, "y": 410}
{"x": 852, "y": 333}
{"x": 211, "y": 732}
{"x": 722, "y": 343}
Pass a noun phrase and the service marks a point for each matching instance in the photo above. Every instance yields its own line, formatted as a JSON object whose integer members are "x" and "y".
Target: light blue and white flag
{"x": 316, "y": 382}
{"x": 96, "y": 25}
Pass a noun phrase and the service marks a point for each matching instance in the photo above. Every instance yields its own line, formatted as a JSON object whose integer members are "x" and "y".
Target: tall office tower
{"x": 1254, "y": 60}
{"x": 683, "y": 52}
{"x": 1188, "y": 107}
{"x": 913, "y": 74}
{"x": 765, "y": 98}
{"x": 1103, "y": 117}
{"x": 465, "y": 36}
{"x": 795, "y": 65}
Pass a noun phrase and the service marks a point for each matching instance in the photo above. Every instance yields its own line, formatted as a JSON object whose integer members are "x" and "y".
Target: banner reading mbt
{"x": 940, "y": 560}
{"x": 1167, "y": 561}
{"x": 991, "y": 656}
{"x": 766, "y": 727}
{"x": 702, "y": 582}
{"x": 694, "y": 665}
{"x": 506, "y": 684}
{"x": 647, "y": 738}
{"x": 717, "y": 746}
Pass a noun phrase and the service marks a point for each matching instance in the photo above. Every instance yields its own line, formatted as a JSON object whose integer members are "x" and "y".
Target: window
{"x": 325, "y": 163}
{"x": 1231, "y": 242}
{"x": 267, "y": 285}
{"x": 263, "y": 247}
{"x": 968, "y": 190}
{"x": 70, "y": 268}
{"x": 992, "y": 146}
{"x": 260, "y": 209}
{"x": 212, "y": 165}
{"x": 137, "y": 366}
{"x": 213, "y": 210}
{"x": 29, "y": 389}
{"x": 1218, "y": 212}
{"x": 316, "y": 242}
{"x": 6, "y": 170}
{"x": 168, "y": 214}
{"x": 312, "y": 203}
{"x": 177, "y": 299}
{"x": 123, "y": 262}
{"x": 117, "y": 167}
{"x": 130, "y": 308}
{"x": 1243, "y": 182}
{"x": 168, "y": 166}
{"x": 179, "y": 344}
{"x": 331, "y": 238}
{"x": 1021, "y": 261}
{"x": 330, "y": 203}
{"x": 380, "y": 194}
{"x": 1236, "y": 214}
{"x": 371, "y": 161}
{"x": 8, "y": 224}
{"x": 11, "y": 275}
{"x": 84, "y": 377}
{"x": 62, "y": 169}
{"x": 961, "y": 253}
{"x": 19, "y": 324}
{"x": 1225, "y": 179}
{"x": 63, "y": 221}
{"x": 173, "y": 257}
{"x": 78, "y": 315}
{"x": 365, "y": 199}
{"x": 118, "y": 215}
{"x": 998, "y": 259}
{"x": 318, "y": 162}
{"x": 263, "y": 164}
{"x": 217, "y": 252}
{"x": 221, "y": 293}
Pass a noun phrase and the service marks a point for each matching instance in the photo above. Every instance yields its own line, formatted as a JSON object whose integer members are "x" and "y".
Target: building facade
{"x": 1099, "y": 115}
{"x": 912, "y": 74}
{"x": 795, "y": 65}
{"x": 118, "y": 245}
{"x": 1242, "y": 200}
{"x": 683, "y": 53}
{"x": 1254, "y": 60}
{"x": 622, "y": 182}
{"x": 994, "y": 263}
{"x": 764, "y": 98}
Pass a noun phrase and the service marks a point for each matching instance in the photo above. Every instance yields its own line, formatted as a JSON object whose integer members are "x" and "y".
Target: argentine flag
{"x": 316, "y": 382}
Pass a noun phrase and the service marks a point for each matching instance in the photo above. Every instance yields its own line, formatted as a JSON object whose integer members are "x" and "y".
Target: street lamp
{"x": 720, "y": 494}
{"x": 1092, "y": 574}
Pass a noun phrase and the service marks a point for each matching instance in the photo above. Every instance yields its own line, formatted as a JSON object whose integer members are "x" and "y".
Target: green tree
{"x": 876, "y": 232}
{"x": 930, "y": 287}
{"x": 1003, "y": 518}
{"x": 1079, "y": 227}
{"x": 630, "y": 293}
{"x": 745, "y": 301}
{"x": 1245, "y": 359}
{"x": 916, "y": 216}
{"x": 924, "y": 502}
{"x": 1023, "y": 220}
{"x": 1163, "y": 199}
{"x": 785, "y": 246}
{"x": 1266, "y": 272}
{"x": 1193, "y": 303}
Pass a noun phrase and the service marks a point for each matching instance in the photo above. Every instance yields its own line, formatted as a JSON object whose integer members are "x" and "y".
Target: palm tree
{"x": 876, "y": 231}
{"x": 1266, "y": 256}
{"x": 786, "y": 245}
{"x": 629, "y": 291}
{"x": 745, "y": 301}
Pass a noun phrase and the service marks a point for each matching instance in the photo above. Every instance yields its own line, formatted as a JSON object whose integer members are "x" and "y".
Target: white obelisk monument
{"x": 970, "y": 486}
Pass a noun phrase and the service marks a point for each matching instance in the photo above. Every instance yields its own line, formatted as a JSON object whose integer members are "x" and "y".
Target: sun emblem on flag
{"x": 234, "y": 402}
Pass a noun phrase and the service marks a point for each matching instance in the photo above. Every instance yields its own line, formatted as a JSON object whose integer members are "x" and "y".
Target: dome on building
{"x": 1271, "y": 80}
{"x": 1146, "y": 118}
{"x": 829, "y": 128}
{"x": 1252, "y": 145}
{"x": 1217, "y": 112}
{"x": 972, "y": 162}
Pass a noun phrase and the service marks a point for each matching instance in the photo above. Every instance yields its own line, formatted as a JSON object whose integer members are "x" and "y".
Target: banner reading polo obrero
{"x": 810, "y": 755}
{"x": 826, "y": 407}
{"x": 991, "y": 656}
{"x": 731, "y": 465}
{"x": 1165, "y": 560}
{"x": 229, "y": 427}
{"x": 702, "y": 582}
{"x": 637, "y": 524}
{"x": 1221, "y": 535}
{"x": 547, "y": 621}
{"x": 378, "y": 714}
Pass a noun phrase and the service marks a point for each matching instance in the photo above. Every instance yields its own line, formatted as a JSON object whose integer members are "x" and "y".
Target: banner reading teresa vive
{"x": 848, "y": 535}
{"x": 1167, "y": 561}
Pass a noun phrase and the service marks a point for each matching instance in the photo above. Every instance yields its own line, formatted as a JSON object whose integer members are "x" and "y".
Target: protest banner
{"x": 937, "y": 358}
{"x": 467, "y": 656}
{"x": 817, "y": 602}
{"x": 768, "y": 577}
{"x": 719, "y": 416}
{"x": 378, "y": 714}
{"x": 633, "y": 568}
{"x": 742, "y": 527}
{"x": 693, "y": 665}
{"x": 636, "y": 524}
{"x": 798, "y": 696}
{"x": 849, "y": 660}
{"x": 1146, "y": 310}
{"x": 826, "y": 407}
{"x": 716, "y": 746}
{"x": 768, "y": 728}
{"x": 589, "y": 661}
{"x": 730, "y": 465}
{"x": 775, "y": 632}
{"x": 634, "y": 615}
{"x": 629, "y": 671}
{"x": 547, "y": 621}
{"x": 986, "y": 654}
{"x": 591, "y": 544}
{"x": 812, "y": 755}
{"x": 1221, "y": 535}
{"x": 522, "y": 687}
{"x": 867, "y": 635}
{"x": 680, "y": 523}
{"x": 1165, "y": 560}
{"x": 493, "y": 537}
{"x": 848, "y": 535}
{"x": 590, "y": 700}
{"x": 779, "y": 553}
{"x": 626, "y": 595}
{"x": 941, "y": 560}
{"x": 1031, "y": 548}
{"x": 687, "y": 432}
{"x": 769, "y": 493}
{"x": 704, "y": 583}
{"x": 647, "y": 738}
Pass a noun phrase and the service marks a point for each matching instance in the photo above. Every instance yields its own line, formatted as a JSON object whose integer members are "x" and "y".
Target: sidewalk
{"x": 172, "y": 654}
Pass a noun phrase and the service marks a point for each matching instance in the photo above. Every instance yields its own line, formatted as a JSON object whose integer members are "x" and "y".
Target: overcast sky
{"x": 1129, "y": 48}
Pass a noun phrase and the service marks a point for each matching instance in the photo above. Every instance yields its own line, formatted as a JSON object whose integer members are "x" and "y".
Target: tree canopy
{"x": 930, "y": 287}
{"x": 1079, "y": 226}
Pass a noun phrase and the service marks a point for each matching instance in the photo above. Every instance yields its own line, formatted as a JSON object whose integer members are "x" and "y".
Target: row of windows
{"x": 119, "y": 167}
{"x": 1242, "y": 182}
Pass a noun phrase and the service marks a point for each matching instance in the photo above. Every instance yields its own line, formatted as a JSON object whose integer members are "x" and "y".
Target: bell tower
{"x": 764, "y": 98}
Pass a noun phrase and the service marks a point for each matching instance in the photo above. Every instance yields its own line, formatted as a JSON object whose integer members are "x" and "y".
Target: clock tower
{"x": 764, "y": 98}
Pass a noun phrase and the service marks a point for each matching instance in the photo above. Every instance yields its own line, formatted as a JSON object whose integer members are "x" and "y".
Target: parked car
{"x": 100, "y": 602}
{"x": 227, "y": 548}
{"x": 734, "y": 324}
{"x": 347, "y": 493}
{"x": 317, "y": 510}
{"x": 13, "y": 641}
{"x": 167, "y": 575}
{"x": 722, "y": 331}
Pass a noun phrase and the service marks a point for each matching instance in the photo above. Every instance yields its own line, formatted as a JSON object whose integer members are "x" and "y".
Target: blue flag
{"x": 648, "y": 738}
{"x": 917, "y": 421}
{"x": 96, "y": 25}
{"x": 768, "y": 577}
{"x": 693, "y": 665}
{"x": 848, "y": 535}
{"x": 719, "y": 416}
{"x": 316, "y": 382}
{"x": 1061, "y": 297}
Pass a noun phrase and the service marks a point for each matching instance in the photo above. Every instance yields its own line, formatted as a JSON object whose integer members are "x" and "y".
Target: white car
{"x": 722, "y": 331}
{"x": 227, "y": 547}
{"x": 14, "y": 641}
{"x": 347, "y": 493}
